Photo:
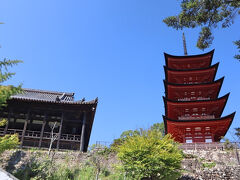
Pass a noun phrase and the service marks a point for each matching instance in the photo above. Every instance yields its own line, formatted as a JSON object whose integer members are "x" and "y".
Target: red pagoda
{"x": 192, "y": 107}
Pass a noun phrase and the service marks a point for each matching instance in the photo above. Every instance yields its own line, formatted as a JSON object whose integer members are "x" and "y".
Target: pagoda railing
{"x": 193, "y": 98}
{"x": 207, "y": 146}
{"x": 37, "y": 134}
{"x": 196, "y": 117}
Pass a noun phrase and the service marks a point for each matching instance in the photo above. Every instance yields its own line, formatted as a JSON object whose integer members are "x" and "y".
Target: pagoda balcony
{"x": 193, "y": 98}
{"x": 191, "y": 82}
{"x": 196, "y": 117}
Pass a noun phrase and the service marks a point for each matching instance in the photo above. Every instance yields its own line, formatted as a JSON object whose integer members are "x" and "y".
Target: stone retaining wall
{"x": 229, "y": 173}
{"x": 211, "y": 165}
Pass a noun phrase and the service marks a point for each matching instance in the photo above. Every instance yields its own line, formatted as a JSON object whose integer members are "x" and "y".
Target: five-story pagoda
{"x": 192, "y": 107}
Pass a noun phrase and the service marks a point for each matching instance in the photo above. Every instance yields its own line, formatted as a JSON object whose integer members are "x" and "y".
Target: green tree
{"x": 207, "y": 14}
{"x": 7, "y": 91}
{"x": 150, "y": 155}
{"x": 158, "y": 127}
{"x": 8, "y": 141}
{"x": 237, "y": 133}
{"x": 129, "y": 133}
{"x": 123, "y": 137}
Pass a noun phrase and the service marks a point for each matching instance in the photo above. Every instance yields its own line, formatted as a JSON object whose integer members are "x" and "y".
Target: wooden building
{"x": 33, "y": 113}
{"x": 192, "y": 107}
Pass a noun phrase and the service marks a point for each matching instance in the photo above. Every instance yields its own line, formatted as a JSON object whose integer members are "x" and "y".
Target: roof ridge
{"x": 54, "y": 101}
{"x": 47, "y": 91}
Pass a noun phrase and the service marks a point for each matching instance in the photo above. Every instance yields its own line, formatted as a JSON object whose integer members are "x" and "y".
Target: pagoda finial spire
{"x": 184, "y": 45}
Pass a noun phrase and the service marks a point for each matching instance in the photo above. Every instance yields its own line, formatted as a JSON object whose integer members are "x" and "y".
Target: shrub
{"x": 150, "y": 155}
{"x": 8, "y": 142}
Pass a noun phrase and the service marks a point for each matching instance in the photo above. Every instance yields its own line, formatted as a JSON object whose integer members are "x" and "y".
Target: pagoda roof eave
{"x": 197, "y": 101}
{"x": 167, "y": 84}
{"x": 214, "y": 67}
{"x": 231, "y": 116}
{"x": 190, "y": 56}
{"x": 166, "y": 55}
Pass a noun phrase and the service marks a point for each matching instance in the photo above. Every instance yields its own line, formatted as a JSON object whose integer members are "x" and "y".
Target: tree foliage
{"x": 129, "y": 133}
{"x": 207, "y": 14}
{"x": 7, "y": 91}
{"x": 150, "y": 155}
{"x": 8, "y": 141}
{"x": 237, "y": 133}
{"x": 237, "y": 43}
{"x": 158, "y": 127}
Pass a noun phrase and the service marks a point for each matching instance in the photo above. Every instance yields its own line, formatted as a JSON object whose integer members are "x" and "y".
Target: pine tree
{"x": 7, "y": 141}
{"x": 207, "y": 14}
{"x": 7, "y": 91}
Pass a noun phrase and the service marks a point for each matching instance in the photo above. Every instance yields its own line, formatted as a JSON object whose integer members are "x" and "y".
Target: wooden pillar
{"x": 60, "y": 131}
{"x": 42, "y": 130}
{"x": 30, "y": 123}
{"x": 14, "y": 120}
{"x": 83, "y": 132}
{"x": 24, "y": 128}
{"x": 8, "y": 121}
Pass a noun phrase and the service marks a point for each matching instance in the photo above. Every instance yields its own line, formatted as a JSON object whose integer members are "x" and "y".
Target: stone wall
{"x": 211, "y": 165}
{"x": 215, "y": 174}
{"x": 197, "y": 164}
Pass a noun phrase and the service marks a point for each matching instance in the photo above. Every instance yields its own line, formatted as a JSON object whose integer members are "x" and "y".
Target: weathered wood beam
{"x": 83, "y": 132}
{"x": 60, "y": 131}
{"x": 53, "y": 107}
{"x": 42, "y": 130}
{"x": 24, "y": 128}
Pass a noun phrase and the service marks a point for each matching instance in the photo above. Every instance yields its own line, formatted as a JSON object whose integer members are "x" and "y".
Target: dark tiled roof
{"x": 49, "y": 96}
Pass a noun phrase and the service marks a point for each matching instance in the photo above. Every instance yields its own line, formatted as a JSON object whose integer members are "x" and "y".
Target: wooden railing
{"x": 207, "y": 146}
{"x": 193, "y": 98}
{"x": 37, "y": 134}
{"x": 196, "y": 117}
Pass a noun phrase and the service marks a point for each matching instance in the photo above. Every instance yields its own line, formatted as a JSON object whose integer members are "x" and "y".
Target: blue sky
{"x": 110, "y": 49}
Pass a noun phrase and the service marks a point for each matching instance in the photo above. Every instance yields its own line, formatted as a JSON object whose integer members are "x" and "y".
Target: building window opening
{"x": 195, "y": 109}
{"x": 185, "y": 80}
{"x": 197, "y": 128}
{"x": 189, "y": 141}
{"x": 207, "y": 128}
{"x": 208, "y": 140}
